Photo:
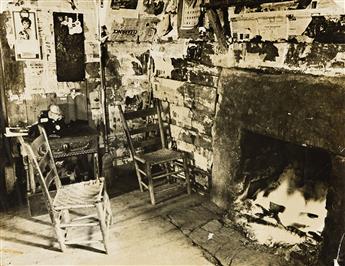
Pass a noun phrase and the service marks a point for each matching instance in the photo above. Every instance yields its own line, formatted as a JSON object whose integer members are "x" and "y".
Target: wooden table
{"x": 73, "y": 141}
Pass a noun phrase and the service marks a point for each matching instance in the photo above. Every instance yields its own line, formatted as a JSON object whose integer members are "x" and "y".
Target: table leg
{"x": 95, "y": 165}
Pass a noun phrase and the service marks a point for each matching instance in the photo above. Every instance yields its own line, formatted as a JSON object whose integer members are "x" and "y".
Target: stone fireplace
{"x": 283, "y": 134}
{"x": 283, "y": 199}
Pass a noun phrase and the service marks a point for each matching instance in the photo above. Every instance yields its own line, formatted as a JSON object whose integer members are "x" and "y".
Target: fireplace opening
{"x": 284, "y": 188}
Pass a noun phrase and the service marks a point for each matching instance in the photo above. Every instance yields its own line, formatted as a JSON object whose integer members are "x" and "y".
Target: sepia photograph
{"x": 172, "y": 132}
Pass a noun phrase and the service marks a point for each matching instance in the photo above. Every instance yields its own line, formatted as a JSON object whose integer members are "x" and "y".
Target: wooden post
{"x": 218, "y": 30}
{"x": 3, "y": 120}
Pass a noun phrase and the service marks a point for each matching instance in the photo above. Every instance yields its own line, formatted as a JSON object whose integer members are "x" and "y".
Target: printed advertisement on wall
{"x": 27, "y": 46}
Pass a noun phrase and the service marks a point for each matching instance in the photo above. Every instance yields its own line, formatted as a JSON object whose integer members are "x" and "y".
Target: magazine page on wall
{"x": 27, "y": 45}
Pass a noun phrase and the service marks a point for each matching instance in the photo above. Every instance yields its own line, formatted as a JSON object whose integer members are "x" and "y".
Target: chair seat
{"x": 78, "y": 195}
{"x": 146, "y": 135}
{"x": 159, "y": 156}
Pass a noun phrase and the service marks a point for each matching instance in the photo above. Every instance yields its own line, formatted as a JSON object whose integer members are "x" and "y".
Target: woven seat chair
{"x": 150, "y": 152}
{"x": 87, "y": 200}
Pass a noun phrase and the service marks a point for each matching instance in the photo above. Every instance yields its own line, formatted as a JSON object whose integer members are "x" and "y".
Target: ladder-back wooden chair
{"x": 84, "y": 204}
{"x": 148, "y": 147}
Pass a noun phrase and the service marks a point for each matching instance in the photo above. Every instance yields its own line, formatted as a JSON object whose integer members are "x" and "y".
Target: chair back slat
{"x": 140, "y": 113}
{"x": 148, "y": 128}
{"x": 147, "y": 143}
{"x": 38, "y": 146}
{"x": 149, "y": 135}
{"x": 42, "y": 159}
{"x": 50, "y": 177}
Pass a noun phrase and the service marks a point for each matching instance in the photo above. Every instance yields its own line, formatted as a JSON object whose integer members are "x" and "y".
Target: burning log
{"x": 297, "y": 231}
{"x": 316, "y": 236}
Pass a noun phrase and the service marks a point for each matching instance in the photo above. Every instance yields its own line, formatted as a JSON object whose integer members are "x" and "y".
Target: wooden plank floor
{"x": 140, "y": 235}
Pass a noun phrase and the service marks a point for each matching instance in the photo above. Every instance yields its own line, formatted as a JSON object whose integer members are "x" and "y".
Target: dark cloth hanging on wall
{"x": 69, "y": 46}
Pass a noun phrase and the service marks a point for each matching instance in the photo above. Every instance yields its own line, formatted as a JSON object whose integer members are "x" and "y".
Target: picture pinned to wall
{"x": 189, "y": 15}
{"x": 154, "y": 7}
{"x": 69, "y": 46}
{"x": 127, "y": 30}
{"x": 27, "y": 45}
{"x": 125, "y": 4}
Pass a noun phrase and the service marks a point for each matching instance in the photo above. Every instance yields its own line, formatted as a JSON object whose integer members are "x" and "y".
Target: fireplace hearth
{"x": 283, "y": 200}
{"x": 283, "y": 137}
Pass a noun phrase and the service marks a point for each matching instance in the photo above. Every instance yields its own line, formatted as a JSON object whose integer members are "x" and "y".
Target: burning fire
{"x": 285, "y": 215}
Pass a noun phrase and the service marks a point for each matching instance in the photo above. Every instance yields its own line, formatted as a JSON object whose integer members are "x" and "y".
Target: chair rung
{"x": 158, "y": 173}
{"x": 78, "y": 225}
{"x": 142, "y": 172}
{"x": 138, "y": 114}
{"x": 146, "y": 186}
{"x": 167, "y": 174}
{"x": 147, "y": 128}
{"x": 70, "y": 242}
{"x": 181, "y": 186}
{"x": 74, "y": 207}
{"x": 85, "y": 217}
{"x": 181, "y": 176}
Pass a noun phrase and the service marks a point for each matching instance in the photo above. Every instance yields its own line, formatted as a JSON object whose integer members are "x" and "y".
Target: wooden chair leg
{"x": 166, "y": 169}
{"x": 59, "y": 233}
{"x": 138, "y": 175}
{"x": 170, "y": 168}
{"x": 186, "y": 172}
{"x": 150, "y": 183}
{"x": 109, "y": 219}
{"x": 95, "y": 165}
{"x": 108, "y": 212}
{"x": 60, "y": 237}
{"x": 102, "y": 223}
{"x": 51, "y": 216}
{"x": 66, "y": 217}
